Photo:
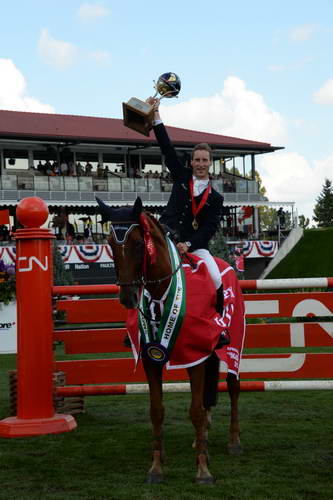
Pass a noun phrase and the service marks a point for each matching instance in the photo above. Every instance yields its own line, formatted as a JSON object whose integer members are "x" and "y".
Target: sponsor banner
{"x": 88, "y": 273}
{"x": 8, "y": 328}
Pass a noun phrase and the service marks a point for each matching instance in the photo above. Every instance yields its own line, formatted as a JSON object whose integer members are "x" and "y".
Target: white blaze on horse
{"x": 173, "y": 322}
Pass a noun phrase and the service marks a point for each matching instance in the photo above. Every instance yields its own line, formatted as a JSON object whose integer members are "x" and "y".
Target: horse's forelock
{"x": 155, "y": 224}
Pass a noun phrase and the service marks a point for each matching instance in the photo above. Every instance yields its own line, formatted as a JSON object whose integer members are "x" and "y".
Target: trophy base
{"x": 138, "y": 116}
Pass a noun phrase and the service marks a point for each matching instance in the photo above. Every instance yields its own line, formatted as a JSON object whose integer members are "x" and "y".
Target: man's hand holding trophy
{"x": 139, "y": 115}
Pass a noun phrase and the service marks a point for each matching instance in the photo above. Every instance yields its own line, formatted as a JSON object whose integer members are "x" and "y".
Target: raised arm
{"x": 172, "y": 161}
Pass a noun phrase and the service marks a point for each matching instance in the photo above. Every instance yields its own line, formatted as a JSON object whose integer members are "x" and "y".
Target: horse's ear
{"x": 106, "y": 211}
{"x": 137, "y": 208}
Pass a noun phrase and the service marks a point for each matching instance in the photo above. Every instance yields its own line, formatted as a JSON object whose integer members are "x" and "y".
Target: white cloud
{"x": 235, "y": 111}
{"x": 100, "y": 57}
{"x": 61, "y": 55}
{"x": 90, "y": 11}
{"x": 13, "y": 93}
{"x": 325, "y": 94}
{"x": 302, "y": 33}
{"x": 56, "y": 53}
{"x": 289, "y": 176}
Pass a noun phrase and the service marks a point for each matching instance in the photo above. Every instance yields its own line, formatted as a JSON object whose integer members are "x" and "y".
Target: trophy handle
{"x": 165, "y": 95}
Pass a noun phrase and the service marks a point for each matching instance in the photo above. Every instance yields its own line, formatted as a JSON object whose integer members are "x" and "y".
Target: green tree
{"x": 60, "y": 275}
{"x": 219, "y": 248}
{"x": 267, "y": 216}
{"x": 262, "y": 189}
{"x": 323, "y": 210}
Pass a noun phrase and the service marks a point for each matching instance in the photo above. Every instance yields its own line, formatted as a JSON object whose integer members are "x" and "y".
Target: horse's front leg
{"x": 234, "y": 445}
{"x": 154, "y": 377}
{"x": 199, "y": 421}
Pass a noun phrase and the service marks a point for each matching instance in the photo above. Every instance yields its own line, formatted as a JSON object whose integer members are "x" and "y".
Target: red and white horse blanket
{"x": 202, "y": 325}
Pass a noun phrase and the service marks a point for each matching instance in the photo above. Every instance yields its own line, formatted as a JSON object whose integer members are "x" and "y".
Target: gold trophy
{"x": 139, "y": 115}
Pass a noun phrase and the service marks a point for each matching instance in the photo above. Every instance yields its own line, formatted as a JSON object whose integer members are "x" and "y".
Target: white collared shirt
{"x": 199, "y": 185}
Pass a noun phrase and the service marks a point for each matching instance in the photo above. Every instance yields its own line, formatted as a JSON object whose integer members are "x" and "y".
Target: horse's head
{"x": 131, "y": 247}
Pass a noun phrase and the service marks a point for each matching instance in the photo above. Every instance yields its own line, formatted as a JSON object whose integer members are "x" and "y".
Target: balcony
{"x": 120, "y": 190}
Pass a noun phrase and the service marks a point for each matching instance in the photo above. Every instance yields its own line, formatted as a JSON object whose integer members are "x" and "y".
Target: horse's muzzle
{"x": 129, "y": 296}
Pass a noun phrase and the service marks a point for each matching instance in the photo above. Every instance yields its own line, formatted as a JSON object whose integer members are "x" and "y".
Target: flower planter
{"x": 8, "y": 322}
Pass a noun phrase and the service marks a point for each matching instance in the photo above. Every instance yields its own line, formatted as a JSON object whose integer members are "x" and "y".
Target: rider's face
{"x": 200, "y": 163}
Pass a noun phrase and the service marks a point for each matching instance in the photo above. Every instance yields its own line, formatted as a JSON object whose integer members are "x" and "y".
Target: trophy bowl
{"x": 139, "y": 115}
{"x": 168, "y": 85}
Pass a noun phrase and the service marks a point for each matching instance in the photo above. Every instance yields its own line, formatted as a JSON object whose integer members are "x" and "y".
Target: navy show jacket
{"x": 178, "y": 212}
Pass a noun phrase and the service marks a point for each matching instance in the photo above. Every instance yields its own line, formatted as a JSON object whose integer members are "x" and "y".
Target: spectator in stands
{"x": 41, "y": 167}
{"x": 70, "y": 232}
{"x": 71, "y": 168}
{"x": 55, "y": 168}
{"x": 49, "y": 168}
{"x": 88, "y": 168}
{"x": 106, "y": 172}
{"x": 63, "y": 168}
{"x": 4, "y": 233}
{"x": 79, "y": 240}
{"x": 100, "y": 170}
{"x": 79, "y": 169}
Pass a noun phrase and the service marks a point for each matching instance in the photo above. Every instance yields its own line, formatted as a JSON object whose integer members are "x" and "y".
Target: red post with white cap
{"x": 34, "y": 279}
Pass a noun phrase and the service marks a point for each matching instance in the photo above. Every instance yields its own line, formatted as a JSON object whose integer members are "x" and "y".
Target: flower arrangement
{"x": 7, "y": 282}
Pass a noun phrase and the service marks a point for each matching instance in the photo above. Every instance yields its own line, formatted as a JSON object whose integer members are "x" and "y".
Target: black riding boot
{"x": 219, "y": 300}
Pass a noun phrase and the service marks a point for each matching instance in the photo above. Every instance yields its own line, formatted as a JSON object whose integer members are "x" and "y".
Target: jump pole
{"x": 34, "y": 278}
{"x": 283, "y": 283}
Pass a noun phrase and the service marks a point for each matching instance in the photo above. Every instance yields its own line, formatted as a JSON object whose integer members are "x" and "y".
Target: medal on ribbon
{"x": 196, "y": 208}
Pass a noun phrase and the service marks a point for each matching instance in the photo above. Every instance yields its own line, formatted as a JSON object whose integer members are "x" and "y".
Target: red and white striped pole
{"x": 245, "y": 386}
{"x": 34, "y": 277}
{"x": 280, "y": 284}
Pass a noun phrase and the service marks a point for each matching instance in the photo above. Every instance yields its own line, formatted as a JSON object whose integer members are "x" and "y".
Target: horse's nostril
{"x": 129, "y": 297}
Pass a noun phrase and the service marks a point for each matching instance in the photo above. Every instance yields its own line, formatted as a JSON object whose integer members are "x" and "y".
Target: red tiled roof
{"x": 26, "y": 125}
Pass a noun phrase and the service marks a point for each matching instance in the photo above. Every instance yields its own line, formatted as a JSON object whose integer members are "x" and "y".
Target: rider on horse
{"x": 194, "y": 210}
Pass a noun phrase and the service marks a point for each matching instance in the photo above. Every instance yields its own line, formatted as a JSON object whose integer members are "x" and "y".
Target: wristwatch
{"x": 188, "y": 243}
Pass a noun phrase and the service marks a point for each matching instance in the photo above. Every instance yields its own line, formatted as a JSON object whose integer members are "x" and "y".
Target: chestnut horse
{"x": 134, "y": 236}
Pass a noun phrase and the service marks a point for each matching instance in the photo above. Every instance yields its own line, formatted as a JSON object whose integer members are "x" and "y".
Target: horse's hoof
{"x": 235, "y": 449}
{"x": 205, "y": 480}
{"x": 154, "y": 478}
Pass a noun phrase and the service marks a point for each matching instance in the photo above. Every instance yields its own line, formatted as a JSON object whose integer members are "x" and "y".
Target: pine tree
{"x": 219, "y": 248}
{"x": 60, "y": 275}
{"x": 323, "y": 210}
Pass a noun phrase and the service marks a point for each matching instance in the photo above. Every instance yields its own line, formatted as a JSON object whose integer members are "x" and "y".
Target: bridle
{"x": 127, "y": 227}
{"x": 143, "y": 281}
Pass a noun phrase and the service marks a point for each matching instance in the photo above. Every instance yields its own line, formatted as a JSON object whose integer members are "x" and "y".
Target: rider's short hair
{"x": 205, "y": 147}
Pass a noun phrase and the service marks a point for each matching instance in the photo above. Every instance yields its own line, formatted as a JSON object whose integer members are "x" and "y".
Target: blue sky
{"x": 257, "y": 70}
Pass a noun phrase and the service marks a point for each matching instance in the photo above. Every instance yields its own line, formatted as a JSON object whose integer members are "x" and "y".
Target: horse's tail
{"x": 212, "y": 372}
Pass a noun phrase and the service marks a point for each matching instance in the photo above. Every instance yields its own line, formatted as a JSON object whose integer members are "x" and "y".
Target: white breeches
{"x": 211, "y": 265}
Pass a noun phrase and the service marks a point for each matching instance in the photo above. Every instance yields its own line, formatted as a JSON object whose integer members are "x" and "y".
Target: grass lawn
{"x": 311, "y": 257}
{"x": 287, "y": 439}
